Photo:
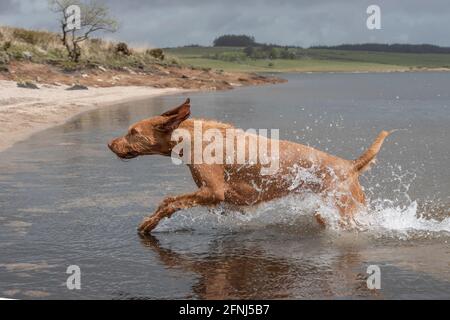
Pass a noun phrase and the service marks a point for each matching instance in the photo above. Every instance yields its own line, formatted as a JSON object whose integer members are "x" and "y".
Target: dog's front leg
{"x": 204, "y": 196}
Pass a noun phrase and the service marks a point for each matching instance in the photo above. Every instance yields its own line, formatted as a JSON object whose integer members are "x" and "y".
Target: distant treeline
{"x": 233, "y": 40}
{"x": 379, "y": 47}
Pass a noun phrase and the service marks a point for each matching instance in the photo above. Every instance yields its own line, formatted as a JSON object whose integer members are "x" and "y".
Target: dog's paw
{"x": 148, "y": 225}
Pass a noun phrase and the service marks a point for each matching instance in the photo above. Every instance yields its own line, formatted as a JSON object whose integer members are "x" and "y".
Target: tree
{"x": 94, "y": 17}
{"x": 232, "y": 40}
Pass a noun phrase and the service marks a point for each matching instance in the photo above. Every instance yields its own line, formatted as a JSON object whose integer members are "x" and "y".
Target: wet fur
{"x": 244, "y": 186}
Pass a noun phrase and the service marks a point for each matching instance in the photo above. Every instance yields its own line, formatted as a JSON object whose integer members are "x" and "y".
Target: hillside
{"x": 308, "y": 60}
{"x": 39, "y": 56}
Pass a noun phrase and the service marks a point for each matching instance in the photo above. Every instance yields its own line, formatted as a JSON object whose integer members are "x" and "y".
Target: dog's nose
{"x": 110, "y": 144}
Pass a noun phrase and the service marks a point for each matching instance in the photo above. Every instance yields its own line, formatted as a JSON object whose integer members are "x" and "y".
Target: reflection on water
{"x": 66, "y": 199}
{"x": 231, "y": 272}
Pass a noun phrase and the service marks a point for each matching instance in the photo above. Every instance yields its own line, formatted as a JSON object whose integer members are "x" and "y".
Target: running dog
{"x": 301, "y": 169}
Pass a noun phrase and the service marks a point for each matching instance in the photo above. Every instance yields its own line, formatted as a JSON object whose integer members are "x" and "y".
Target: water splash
{"x": 295, "y": 210}
{"x": 298, "y": 212}
{"x": 403, "y": 222}
{"x": 397, "y": 216}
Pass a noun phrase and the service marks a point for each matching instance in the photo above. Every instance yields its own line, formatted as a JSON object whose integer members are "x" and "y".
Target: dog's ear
{"x": 175, "y": 116}
{"x": 176, "y": 110}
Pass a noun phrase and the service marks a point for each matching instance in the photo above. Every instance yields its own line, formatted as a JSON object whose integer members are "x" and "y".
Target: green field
{"x": 309, "y": 60}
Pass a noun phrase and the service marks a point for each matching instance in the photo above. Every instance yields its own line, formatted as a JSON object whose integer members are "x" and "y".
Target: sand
{"x": 24, "y": 112}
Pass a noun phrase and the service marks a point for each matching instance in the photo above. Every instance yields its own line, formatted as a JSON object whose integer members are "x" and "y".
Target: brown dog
{"x": 301, "y": 169}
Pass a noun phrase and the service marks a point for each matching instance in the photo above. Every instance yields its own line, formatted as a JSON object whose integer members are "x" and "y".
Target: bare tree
{"x": 94, "y": 16}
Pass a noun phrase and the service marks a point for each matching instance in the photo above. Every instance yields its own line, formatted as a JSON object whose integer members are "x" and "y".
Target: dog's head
{"x": 150, "y": 136}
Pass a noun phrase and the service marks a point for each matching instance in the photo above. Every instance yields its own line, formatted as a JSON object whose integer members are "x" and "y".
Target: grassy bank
{"x": 28, "y": 56}
{"x": 309, "y": 60}
{"x": 39, "y": 56}
{"x": 46, "y": 47}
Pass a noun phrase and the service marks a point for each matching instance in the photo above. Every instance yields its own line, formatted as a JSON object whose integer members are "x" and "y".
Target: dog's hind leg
{"x": 349, "y": 203}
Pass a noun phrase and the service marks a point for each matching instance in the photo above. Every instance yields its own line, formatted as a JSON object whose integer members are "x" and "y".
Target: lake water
{"x": 65, "y": 199}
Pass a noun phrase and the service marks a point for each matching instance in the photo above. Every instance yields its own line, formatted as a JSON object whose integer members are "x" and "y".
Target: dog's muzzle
{"x": 121, "y": 154}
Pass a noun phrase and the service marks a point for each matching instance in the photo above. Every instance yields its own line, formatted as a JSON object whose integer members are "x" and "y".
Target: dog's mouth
{"x": 128, "y": 155}
{"x": 123, "y": 154}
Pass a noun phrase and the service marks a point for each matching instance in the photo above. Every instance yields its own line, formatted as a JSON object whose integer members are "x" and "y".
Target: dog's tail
{"x": 364, "y": 162}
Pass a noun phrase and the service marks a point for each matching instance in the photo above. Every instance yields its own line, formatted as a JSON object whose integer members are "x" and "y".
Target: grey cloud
{"x": 7, "y": 6}
{"x": 299, "y": 22}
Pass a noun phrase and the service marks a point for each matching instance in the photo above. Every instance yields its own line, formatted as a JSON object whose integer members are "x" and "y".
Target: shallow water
{"x": 65, "y": 199}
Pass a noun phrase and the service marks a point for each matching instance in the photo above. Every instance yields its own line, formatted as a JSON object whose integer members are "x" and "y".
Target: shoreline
{"x": 418, "y": 70}
{"x": 24, "y": 112}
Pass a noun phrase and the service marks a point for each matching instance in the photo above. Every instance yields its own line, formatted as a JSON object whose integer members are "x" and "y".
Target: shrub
{"x": 122, "y": 48}
{"x": 7, "y": 45}
{"x": 156, "y": 53}
{"x": 4, "y": 58}
{"x": 286, "y": 54}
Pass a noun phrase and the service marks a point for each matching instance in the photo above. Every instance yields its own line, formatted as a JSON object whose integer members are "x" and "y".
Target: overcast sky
{"x": 166, "y": 23}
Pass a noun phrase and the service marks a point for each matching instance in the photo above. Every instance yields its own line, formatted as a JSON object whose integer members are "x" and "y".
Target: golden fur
{"x": 244, "y": 185}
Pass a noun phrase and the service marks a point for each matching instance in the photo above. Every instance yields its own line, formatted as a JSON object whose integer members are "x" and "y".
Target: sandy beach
{"x": 27, "y": 111}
